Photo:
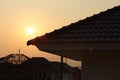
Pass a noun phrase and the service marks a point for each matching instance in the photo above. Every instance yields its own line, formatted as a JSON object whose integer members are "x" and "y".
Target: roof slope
{"x": 104, "y": 26}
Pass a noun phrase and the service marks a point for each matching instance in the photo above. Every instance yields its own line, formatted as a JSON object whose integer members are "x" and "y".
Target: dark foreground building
{"x": 94, "y": 40}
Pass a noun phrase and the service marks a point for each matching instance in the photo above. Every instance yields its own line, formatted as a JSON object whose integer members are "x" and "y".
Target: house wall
{"x": 101, "y": 66}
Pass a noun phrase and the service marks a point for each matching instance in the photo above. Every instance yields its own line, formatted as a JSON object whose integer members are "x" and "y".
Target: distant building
{"x": 36, "y": 68}
{"x": 41, "y": 69}
{"x": 9, "y": 67}
{"x": 69, "y": 73}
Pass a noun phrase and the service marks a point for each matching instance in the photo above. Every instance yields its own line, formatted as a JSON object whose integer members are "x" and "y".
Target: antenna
{"x": 19, "y": 57}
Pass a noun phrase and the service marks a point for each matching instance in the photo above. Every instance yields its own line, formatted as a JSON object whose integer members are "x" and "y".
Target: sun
{"x": 30, "y": 30}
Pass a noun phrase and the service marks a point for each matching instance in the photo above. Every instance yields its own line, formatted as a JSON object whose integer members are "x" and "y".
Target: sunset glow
{"x": 23, "y": 20}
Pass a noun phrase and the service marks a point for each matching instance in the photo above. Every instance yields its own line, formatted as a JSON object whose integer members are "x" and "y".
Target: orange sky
{"x": 44, "y": 16}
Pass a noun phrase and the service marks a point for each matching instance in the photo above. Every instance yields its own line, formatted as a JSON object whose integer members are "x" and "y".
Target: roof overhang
{"x": 74, "y": 50}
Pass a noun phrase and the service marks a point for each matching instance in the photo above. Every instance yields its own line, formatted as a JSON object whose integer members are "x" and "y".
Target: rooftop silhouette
{"x": 99, "y": 27}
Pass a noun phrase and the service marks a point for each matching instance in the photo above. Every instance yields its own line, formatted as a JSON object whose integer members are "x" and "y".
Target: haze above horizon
{"x": 39, "y": 17}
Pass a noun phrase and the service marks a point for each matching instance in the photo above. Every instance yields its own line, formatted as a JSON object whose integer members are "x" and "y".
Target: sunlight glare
{"x": 30, "y": 30}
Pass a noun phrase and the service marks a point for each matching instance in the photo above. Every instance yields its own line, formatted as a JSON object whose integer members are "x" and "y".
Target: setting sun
{"x": 30, "y": 30}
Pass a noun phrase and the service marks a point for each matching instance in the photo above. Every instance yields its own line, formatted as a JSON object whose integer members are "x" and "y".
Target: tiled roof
{"x": 104, "y": 26}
